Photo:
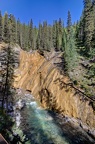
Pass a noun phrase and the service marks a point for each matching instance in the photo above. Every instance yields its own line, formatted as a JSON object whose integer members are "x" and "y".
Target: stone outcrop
{"x": 48, "y": 85}
{"x": 51, "y": 87}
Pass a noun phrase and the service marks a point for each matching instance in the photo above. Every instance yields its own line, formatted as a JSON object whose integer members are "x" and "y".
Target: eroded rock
{"x": 48, "y": 85}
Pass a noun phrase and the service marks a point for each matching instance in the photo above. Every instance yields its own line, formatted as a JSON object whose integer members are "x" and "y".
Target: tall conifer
{"x": 88, "y": 25}
{"x": 1, "y": 26}
{"x": 12, "y": 28}
{"x": 30, "y": 42}
{"x": 69, "y": 22}
{"x": 6, "y": 35}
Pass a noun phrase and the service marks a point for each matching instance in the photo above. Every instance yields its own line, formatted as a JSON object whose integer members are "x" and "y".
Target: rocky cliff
{"x": 42, "y": 77}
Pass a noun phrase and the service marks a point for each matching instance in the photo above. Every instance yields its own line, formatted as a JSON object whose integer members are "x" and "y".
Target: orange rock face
{"x": 47, "y": 84}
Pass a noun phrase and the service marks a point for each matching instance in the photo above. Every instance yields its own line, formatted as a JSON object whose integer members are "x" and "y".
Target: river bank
{"x": 39, "y": 125}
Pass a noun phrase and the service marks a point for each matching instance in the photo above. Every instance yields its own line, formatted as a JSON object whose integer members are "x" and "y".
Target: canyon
{"x": 40, "y": 75}
{"x": 51, "y": 87}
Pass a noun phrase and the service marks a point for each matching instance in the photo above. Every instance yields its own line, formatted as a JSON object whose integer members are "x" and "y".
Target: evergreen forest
{"x": 76, "y": 41}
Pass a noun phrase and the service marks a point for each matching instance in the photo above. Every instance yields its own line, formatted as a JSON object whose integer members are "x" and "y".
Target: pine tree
{"x": 64, "y": 40}
{"x": 26, "y": 37}
{"x": 6, "y": 35}
{"x": 69, "y": 43}
{"x": 18, "y": 32}
{"x": 35, "y": 31}
{"x": 70, "y": 51}
{"x": 45, "y": 38}
{"x": 39, "y": 41}
{"x": 80, "y": 32}
{"x": 23, "y": 36}
{"x": 50, "y": 38}
{"x": 54, "y": 31}
{"x": 30, "y": 42}
{"x": 57, "y": 48}
{"x": 60, "y": 23}
{"x": 93, "y": 41}
{"x": 88, "y": 25}
{"x": 12, "y": 28}
{"x": 9, "y": 60}
{"x": 69, "y": 23}
{"x": 1, "y": 27}
{"x": 60, "y": 33}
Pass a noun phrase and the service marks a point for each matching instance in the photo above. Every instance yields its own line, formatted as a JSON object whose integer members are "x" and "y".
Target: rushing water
{"x": 42, "y": 127}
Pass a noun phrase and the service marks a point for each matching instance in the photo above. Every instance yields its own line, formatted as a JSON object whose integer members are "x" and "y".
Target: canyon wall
{"x": 42, "y": 77}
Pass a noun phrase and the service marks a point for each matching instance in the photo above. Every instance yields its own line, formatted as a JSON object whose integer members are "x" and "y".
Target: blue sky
{"x": 40, "y": 10}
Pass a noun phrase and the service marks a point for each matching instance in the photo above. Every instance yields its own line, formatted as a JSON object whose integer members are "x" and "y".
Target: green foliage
{"x": 76, "y": 41}
{"x": 39, "y": 38}
{"x": 71, "y": 55}
{"x": 12, "y": 28}
{"x": 69, "y": 46}
{"x": 1, "y": 29}
{"x": 6, "y": 35}
{"x": 69, "y": 23}
{"x": 93, "y": 42}
{"x": 88, "y": 25}
{"x": 18, "y": 32}
{"x": 30, "y": 38}
{"x": 64, "y": 40}
{"x": 85, "y": 29}
{"x": 6, "y": 124}
{"x": 9, "y": 60}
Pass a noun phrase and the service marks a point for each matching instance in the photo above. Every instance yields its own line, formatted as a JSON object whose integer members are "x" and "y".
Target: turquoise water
{"x": 41, "y": 127}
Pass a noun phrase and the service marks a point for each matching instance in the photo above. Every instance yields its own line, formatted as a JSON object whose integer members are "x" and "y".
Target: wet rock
{"x": 20, "y": 104}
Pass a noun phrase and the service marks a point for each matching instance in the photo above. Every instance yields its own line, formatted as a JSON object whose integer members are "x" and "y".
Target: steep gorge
{"x": 50, "y": 87}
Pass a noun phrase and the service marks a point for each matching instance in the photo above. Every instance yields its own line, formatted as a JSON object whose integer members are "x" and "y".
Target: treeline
{"x": 45, "y": 38}
{"x": 73, "y": 39}
{"x": 29, "y": 37}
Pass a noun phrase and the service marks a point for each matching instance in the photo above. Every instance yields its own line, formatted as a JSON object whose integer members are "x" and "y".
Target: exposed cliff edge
{"x": 49, "y": 86}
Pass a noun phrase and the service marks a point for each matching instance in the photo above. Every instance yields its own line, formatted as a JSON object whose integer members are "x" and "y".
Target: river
{"x": 46, "y": 127}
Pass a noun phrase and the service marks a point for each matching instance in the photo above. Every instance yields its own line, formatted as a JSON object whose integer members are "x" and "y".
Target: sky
{"x": 40, "y": 10}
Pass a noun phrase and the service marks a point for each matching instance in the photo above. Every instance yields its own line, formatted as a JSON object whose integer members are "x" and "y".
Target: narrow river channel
{"x": 45, "y": 127}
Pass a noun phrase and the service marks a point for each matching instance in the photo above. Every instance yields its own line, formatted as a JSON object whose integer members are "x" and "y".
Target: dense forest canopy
{"x": 47, "y": 37}
{"x": 76, "y": 41}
